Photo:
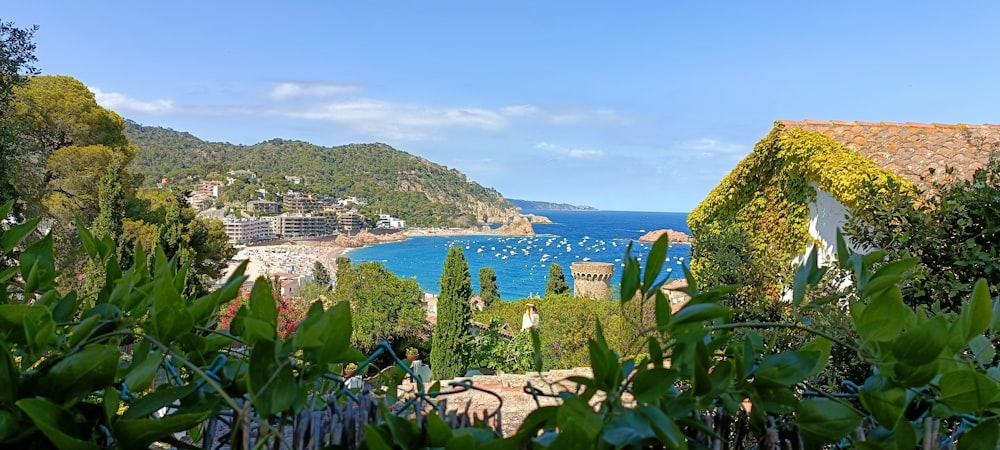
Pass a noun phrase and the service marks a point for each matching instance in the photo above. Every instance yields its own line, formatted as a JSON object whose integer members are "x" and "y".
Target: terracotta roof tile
{"x": 910, "y": 149}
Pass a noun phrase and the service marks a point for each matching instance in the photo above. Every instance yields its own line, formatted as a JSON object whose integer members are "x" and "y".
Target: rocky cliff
{"x": 674, "y": 236}
{"x": 519, "y": 226}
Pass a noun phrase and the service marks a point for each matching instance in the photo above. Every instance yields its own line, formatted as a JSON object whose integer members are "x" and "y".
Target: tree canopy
{"x": 384, "y": 307}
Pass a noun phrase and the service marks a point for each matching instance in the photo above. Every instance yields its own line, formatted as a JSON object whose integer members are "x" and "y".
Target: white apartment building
{"x": 246, "y": 231}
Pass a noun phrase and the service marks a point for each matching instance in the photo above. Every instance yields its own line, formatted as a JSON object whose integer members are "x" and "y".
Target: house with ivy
{"x": 801, "y": 181}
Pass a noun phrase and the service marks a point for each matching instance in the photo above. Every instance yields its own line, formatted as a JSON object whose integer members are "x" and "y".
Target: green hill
{"x": 407, "y": 186}
{"x": 535, "y": 204}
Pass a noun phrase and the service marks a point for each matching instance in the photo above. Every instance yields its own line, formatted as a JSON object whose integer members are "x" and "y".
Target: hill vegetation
{"x": 396, "y": 182}
{"x": 533, "y": 204}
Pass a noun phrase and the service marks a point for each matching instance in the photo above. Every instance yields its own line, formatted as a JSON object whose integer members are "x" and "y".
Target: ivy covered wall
{"x": 752, "y": 225}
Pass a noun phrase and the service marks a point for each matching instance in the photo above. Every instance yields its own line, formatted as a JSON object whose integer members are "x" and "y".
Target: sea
{"x": 522, "y": 263}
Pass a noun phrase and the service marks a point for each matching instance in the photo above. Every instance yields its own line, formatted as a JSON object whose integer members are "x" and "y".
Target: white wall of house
{"x": 826, "y": 216}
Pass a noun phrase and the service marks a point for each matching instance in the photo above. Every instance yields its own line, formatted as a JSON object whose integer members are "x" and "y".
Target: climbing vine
{"x": 758, "y": 216}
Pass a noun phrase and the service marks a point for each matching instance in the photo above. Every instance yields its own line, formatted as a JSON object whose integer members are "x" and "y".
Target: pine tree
{"x": 320, "y": 275}
{"x": 557, "y": 281}
{"x": 451, "y": 334}
{"x": 488, "y": 290}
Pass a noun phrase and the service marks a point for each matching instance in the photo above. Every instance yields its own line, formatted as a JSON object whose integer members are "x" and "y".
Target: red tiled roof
{"x": 909, "y": 149}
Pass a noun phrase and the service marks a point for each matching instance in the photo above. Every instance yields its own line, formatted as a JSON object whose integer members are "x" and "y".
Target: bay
{"x": 522, "y": 263}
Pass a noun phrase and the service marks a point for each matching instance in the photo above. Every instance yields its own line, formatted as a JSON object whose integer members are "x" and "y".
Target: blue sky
{"x": 619, "y": 105}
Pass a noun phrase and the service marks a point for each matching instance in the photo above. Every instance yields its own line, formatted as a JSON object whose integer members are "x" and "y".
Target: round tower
{"x": 592, "y": 279}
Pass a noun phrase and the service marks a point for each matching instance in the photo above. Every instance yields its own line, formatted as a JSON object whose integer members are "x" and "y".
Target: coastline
{"x": 297, "y": 256}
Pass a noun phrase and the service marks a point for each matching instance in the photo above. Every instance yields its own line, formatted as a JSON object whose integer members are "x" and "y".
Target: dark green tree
{"x": 109, "y": 224}
{"x": 17, "y": 56}
{"x": 557, "y": 281}
{"x": 451, "y": 334}
{"x": 320, "y": 275}
{"x": 953, "y": 228}
{"x": 384, "y": 307}
{"x": 488, "y": 290}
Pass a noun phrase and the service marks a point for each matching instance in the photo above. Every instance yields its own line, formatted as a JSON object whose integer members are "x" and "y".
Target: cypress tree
{"x": 488, "y": 290}
{"x": 320, "y": 275}
{"x": 451, "y": 334}
{"x": 557, "y": 281}
{"x": 109, "y": 223}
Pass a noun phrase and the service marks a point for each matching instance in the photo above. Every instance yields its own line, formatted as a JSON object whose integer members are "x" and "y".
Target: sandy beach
{"x": 298, "y": 256}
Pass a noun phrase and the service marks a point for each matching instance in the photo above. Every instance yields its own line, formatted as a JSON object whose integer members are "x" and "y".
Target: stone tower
{"x": 592, "y": 279}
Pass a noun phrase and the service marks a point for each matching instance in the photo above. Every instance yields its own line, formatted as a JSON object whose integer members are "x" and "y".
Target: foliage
{"x": 157, "y": 217}
{"x": 751, "y": 226}
{"x": 385, "y": 307}
{"x": 489, "y": 292}
{"x": 451, "y": 333}
{"x": 290, "y": 311}
{"x": 65, "y": 382}
{"x": 321, "y": 276}
{"x": 407, "y": 186}
{"x": 952, "y": 228}
{"x": 492, "y": 350}
{"x": 17, "y": 59}
{"x": 566, "y": 325}
{"x": 557, "y": 284}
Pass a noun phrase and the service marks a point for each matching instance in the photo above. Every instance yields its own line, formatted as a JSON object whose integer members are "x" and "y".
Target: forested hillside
{"x": 407, "y": 186}
{"x": 534, "y": 204}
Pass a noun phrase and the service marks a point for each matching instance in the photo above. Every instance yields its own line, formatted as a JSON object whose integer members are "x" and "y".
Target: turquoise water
{"x": 522, "y": 263}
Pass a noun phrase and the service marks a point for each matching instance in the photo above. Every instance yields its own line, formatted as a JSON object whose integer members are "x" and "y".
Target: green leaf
{"x": 140, "y": 433}
{"x": 884, "y": 399}
{"x": 89, "y": 243}
{"x": 16, "y": 234}
{"x": 16, "y": 316}
{"x": 271, "y": 381}
{"x": 664, "y": 310}
{"x": 887, "y": 276}
{"x": 10, "y": 376}
{"x": 79, "y": 374}
{"x": 883, "y": 318}
{"x": 701, "y": 312}
{"x": 262, "y": 303}
{"x": 666, "y": 430}
{"x": 52, "y": 420}
{"x": 652, "y": 385}
{"x": 984, "y": 435}
{"x": 825, "y": 420}
{"x": 160, "y": 398}
{"x": 976, "y": 314}
{"x": 38, "y": 266}
{"x": 140, "y": 375}
{"x": 843, "y": 251}
{"x": 627, "y": 429}
{"x": 786, "y": 368}
{"x": 823, "y": 346}
{"x": 982, "y": 348}
{"x": 922, "y": 344}
{"x": 654, "y": 262}
{"x": 802, "y": 276}
{"x": 967, "y": 391}
{"x": 630, "y": 276}
{"x": 169, "y": 316}
{"x": 536, "y": 349}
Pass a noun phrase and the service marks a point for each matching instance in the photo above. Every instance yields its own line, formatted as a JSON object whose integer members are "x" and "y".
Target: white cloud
{"x": 123, "y": 104}
{"x": 401, "y": 121}
{"x": 574, "y": 153}
{"x": 711, "y": 148}
{"x": 290, "y": 89}
{"x": 520, "y": 110}
{"x": 567, "y": 117}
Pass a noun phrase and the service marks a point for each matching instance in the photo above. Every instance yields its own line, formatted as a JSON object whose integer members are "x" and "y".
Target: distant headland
{"x": 531, "y": 204}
